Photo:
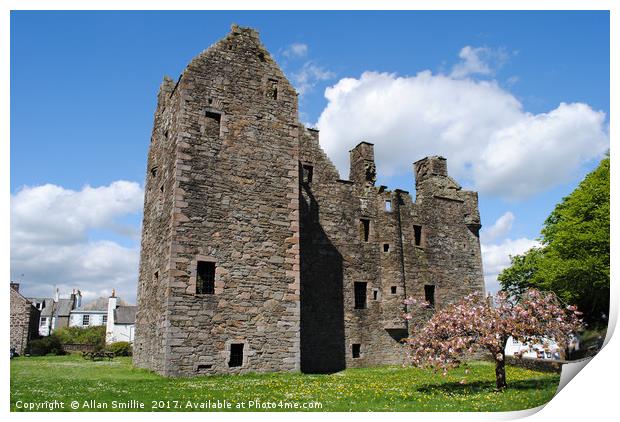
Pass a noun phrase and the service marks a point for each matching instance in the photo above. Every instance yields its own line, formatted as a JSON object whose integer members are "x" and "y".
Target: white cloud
{"x": 496, "y": 256}
{"x": 296, "y": 50}
{"x": 500, "y": 229}
{"x": 50, "y": 241}
{"x": 482, "y": 129}
{"x": 478, "y": 60}
{"x": 306, "y": 78}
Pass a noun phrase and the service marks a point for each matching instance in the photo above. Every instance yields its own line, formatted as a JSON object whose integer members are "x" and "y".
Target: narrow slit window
{"x": 154, "y": 171}
{"x": 356, "y": 350}
{"x": 307, "y": 173}
{"x": 417, "y": 233}
{"x": 364, "y": 229}
{"x": 429, "y": 294}
{"x": 386, "y": 247}
{"x": 375, "y": 294}
{"x": 212, "y": 123}
{"x": 272, "y": 89}
{"x": 393, "y": 290}
{"x": 236, "y": 355}
{"x": 388, "y": 205}
{"x": 360, "y": 295}
{"x": 205, "y": 278}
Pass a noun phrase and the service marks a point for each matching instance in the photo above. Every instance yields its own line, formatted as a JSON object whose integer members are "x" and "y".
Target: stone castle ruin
{"x": 256, "y": 256}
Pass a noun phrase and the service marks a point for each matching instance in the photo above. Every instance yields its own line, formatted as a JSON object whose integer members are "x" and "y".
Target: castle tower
{"x": 257, "y": 256}
{"x": 219, "y": 284}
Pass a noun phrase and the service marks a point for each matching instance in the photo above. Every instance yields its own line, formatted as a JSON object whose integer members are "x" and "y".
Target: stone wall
{"x": 24, "y": 320}
{"x": 236, "y": 182}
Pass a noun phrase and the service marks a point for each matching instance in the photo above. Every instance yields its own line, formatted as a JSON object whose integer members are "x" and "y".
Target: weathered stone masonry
{"x": 253, "y": 248}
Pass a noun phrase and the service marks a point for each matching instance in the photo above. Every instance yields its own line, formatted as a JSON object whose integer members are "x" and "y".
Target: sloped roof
{"x": 100, "y": 304}
{"x": 48, "y": 305}
{"x": 125, "y": 314}
{"x": 64, "y": 307}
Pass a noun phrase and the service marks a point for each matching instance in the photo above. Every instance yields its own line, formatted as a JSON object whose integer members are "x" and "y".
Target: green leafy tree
{"x": 573, "y": 261}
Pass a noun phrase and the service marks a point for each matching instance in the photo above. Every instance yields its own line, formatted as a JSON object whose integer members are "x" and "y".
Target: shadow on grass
{"x": 487, "y": 386}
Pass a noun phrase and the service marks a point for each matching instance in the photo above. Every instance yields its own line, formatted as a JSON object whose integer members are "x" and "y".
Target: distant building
{"x": 121, "y": 321}
{"x": 23, "y": 322}
{"x": 544, "y": 350}
{"x": 117, "y": 316}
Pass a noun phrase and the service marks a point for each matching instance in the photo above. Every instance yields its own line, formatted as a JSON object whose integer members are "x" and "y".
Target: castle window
{"x": 393, "y": 290}
{"x": 360, "y": 295}
{"x": 364, "y": 229}
{"x": 154, "y": 171}
{"x": 205, "y": 278}
{"x": 202, "y": 367}
{"x": 236, "y": 355}
{"x": 417, "y": 232}
{"x": 386, "y": 247}
{"x": 429, "y": 294}
{"x": 356, "y": 350}
{"x": 272, "y": 89}
{"x": 388, "y": 205}
{"x": 85, "y": 320}
{"x": 166, "y": 134}
{"x": 212, "y": 123}
{"x": 375, "y": 294}
{"x": 261, "y": 56}
{"x": 306, "y": 174}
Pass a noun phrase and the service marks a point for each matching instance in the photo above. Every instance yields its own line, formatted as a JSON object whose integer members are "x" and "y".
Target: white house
{"x": 544, "y": 350}
{"x": 121, "y": 321}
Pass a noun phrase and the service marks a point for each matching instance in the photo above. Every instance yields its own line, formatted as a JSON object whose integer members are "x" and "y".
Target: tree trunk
{"x": 500, "y": 372}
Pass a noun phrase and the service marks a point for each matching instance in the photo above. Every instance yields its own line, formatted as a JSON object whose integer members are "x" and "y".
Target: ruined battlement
{"x": 256, "y": 256}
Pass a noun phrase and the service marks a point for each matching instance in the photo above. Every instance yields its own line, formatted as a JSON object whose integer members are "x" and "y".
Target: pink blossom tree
{"x": 473, "y": 323}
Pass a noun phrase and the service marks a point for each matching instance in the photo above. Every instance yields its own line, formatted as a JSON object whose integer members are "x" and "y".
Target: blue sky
{"x": 83, "y": 92}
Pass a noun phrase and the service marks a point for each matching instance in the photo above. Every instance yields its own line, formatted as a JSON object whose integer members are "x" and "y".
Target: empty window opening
{"x": 360, "y": 295}
{"x": 236, "y": 355}
{"x": 261, "y": 56}
{"x": 154, "y": 171}
{"x": 85, "y": 319}
{"x": 306, "y": 174}
{"x": 393, "y": 290}
{"x": 356, "y": 350}
{"x": 388, "y": 205}
{"x": 212, "y": 123}
{"x": 210, "y": 101}
{"x": 375, "y": 294}
{"x": 272, "y": 89}
{"x": 364, "y": 229}
{"x": 202, "y": 367}
{"x": 166, "y": 134}
{"x": 386, "y": 247}
{"x": 417, "y": 233}
{"x": 429, "y": 294}
{"x": 156, "y": 277}
{"x": 205, "y": 278}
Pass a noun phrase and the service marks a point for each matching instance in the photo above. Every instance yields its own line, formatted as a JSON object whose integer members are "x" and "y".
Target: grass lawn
{"x": 71, "y": 378}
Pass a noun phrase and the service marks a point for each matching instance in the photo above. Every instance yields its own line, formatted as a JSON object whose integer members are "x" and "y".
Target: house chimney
{"x": 57, "y": 295}
{"x": 78, "y": 298}
{"x": 109, "y": 330}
